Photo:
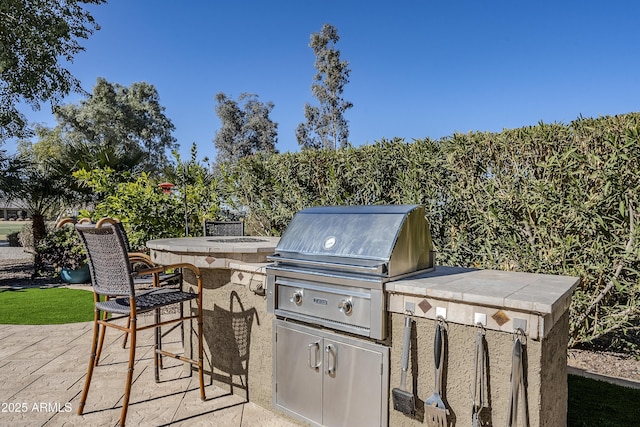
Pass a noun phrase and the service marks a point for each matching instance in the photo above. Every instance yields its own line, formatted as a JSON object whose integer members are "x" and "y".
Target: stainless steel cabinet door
{"x": 298, "y": 375}
{"x": 352, "y": 391}
{"x": 329, "y": 379}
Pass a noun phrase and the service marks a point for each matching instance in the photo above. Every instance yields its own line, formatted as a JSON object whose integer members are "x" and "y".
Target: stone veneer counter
{"x": 237, "y": 327}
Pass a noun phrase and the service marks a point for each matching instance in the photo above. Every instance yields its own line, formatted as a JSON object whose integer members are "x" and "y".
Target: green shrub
{"x": 551, "y": 198}
{"x": 61, "y": 248}
{"x": 14, "y": 239}
{"x": 144, "y": 210}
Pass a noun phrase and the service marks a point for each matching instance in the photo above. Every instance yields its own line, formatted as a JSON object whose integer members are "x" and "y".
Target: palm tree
{"x": 41, "y": 179}
{"x": 9, "y": 170}
{"x": 40, "y": 191}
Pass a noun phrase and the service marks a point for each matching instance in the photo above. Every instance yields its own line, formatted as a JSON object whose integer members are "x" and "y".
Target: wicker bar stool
{"x": 113, "y": 279}
{"x": 141, "y": 261}
{"x": 138, "y": 260}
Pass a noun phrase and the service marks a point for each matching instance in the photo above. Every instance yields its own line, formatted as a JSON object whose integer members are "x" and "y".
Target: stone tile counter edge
{"x": 500, "y": 300}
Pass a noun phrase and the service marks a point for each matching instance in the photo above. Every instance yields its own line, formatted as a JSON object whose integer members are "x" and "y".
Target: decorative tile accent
{"x": 500, "y": 317}
{"x": 465, "y": 314}
{"x": 210, "y": 259}
{"x": 424, "y": 305}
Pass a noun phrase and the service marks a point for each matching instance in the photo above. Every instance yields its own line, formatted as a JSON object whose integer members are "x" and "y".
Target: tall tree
{"x": 39, "y": 187}
{"x": 246, "y": 127}
{"x": 326, "y": 126}
{"x": 34, "y": 36}
{"x": 121, "y": 119}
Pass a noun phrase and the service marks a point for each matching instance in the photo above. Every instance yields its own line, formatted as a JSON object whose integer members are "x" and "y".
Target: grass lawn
{"x": 597, "y": 403}
{"x": 8, "y": 227}
{"x": 49, "y": 306}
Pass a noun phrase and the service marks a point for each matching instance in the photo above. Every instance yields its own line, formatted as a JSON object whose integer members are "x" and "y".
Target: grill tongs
{"x": 480, "y": 410}
{"x": 518, "y": 384}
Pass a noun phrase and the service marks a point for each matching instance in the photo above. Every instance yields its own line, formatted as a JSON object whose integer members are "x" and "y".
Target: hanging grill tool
{"x": 480, "y": 412}
{"x": 517, "y": 382}
{"x": 403, "y": 400}
{"x": 435, "y": 411}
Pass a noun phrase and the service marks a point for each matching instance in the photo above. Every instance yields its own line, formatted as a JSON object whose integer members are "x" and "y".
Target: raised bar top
{"x": 215, "y": 244}
{"x": 213, "y": 251}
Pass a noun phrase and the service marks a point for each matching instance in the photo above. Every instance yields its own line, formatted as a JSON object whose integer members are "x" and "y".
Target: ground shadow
{"x": 229, "y": 340}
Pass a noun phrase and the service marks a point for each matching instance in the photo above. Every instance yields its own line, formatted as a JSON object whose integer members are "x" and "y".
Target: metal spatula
{"x": 435, "y": 411}
{"x": 403, "y": 400}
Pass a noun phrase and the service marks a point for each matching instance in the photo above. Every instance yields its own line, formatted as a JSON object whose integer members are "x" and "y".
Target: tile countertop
{"x": 529, "y": 292}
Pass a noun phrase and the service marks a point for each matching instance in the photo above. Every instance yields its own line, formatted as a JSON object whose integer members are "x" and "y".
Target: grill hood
{"x": 387, "y": 241}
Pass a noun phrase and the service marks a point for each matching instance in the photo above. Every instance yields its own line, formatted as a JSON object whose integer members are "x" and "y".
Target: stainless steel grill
{"x": 328, "y": 275}
{"x": 331, "y": 264}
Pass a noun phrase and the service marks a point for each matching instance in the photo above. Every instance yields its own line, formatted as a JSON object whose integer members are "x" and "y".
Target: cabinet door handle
{"x": 313, "y": 350}
{"x": 331, "y": 357}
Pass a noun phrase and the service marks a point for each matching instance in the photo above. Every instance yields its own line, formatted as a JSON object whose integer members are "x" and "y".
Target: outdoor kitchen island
{"x": 240, "y": 338}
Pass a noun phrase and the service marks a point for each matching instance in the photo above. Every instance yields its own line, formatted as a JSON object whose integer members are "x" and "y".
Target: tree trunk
{"x": 39, "y": 231}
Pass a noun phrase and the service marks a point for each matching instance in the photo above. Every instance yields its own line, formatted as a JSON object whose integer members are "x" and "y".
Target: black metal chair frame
{"x": 113, "y": 278}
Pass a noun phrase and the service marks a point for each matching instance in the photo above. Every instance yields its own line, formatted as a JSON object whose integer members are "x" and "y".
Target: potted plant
{"x": 62, "y": 250}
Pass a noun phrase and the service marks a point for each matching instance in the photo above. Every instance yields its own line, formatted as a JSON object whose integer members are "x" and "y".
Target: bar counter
{"x": 237, "y": 327}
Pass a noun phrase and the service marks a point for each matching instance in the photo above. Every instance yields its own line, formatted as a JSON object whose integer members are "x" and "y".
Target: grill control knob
{"x": 296, "y": 297}
{"x": 346, "y": 306}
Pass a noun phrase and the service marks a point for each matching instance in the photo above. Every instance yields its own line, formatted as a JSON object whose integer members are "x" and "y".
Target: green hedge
{"x": 551, "y": 198}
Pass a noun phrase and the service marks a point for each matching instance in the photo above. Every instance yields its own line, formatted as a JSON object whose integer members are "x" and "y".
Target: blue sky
{"x": 419, "y": 68}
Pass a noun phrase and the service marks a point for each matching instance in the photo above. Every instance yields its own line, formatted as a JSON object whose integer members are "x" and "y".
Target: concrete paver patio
{"x": 42, "y": 373}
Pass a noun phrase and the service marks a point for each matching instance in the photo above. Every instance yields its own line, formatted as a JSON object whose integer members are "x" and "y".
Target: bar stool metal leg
{"x": 92, "y": 361}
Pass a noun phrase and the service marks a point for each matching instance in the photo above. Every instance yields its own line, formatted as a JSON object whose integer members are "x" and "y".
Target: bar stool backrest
{"x": 108, "y": 259}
